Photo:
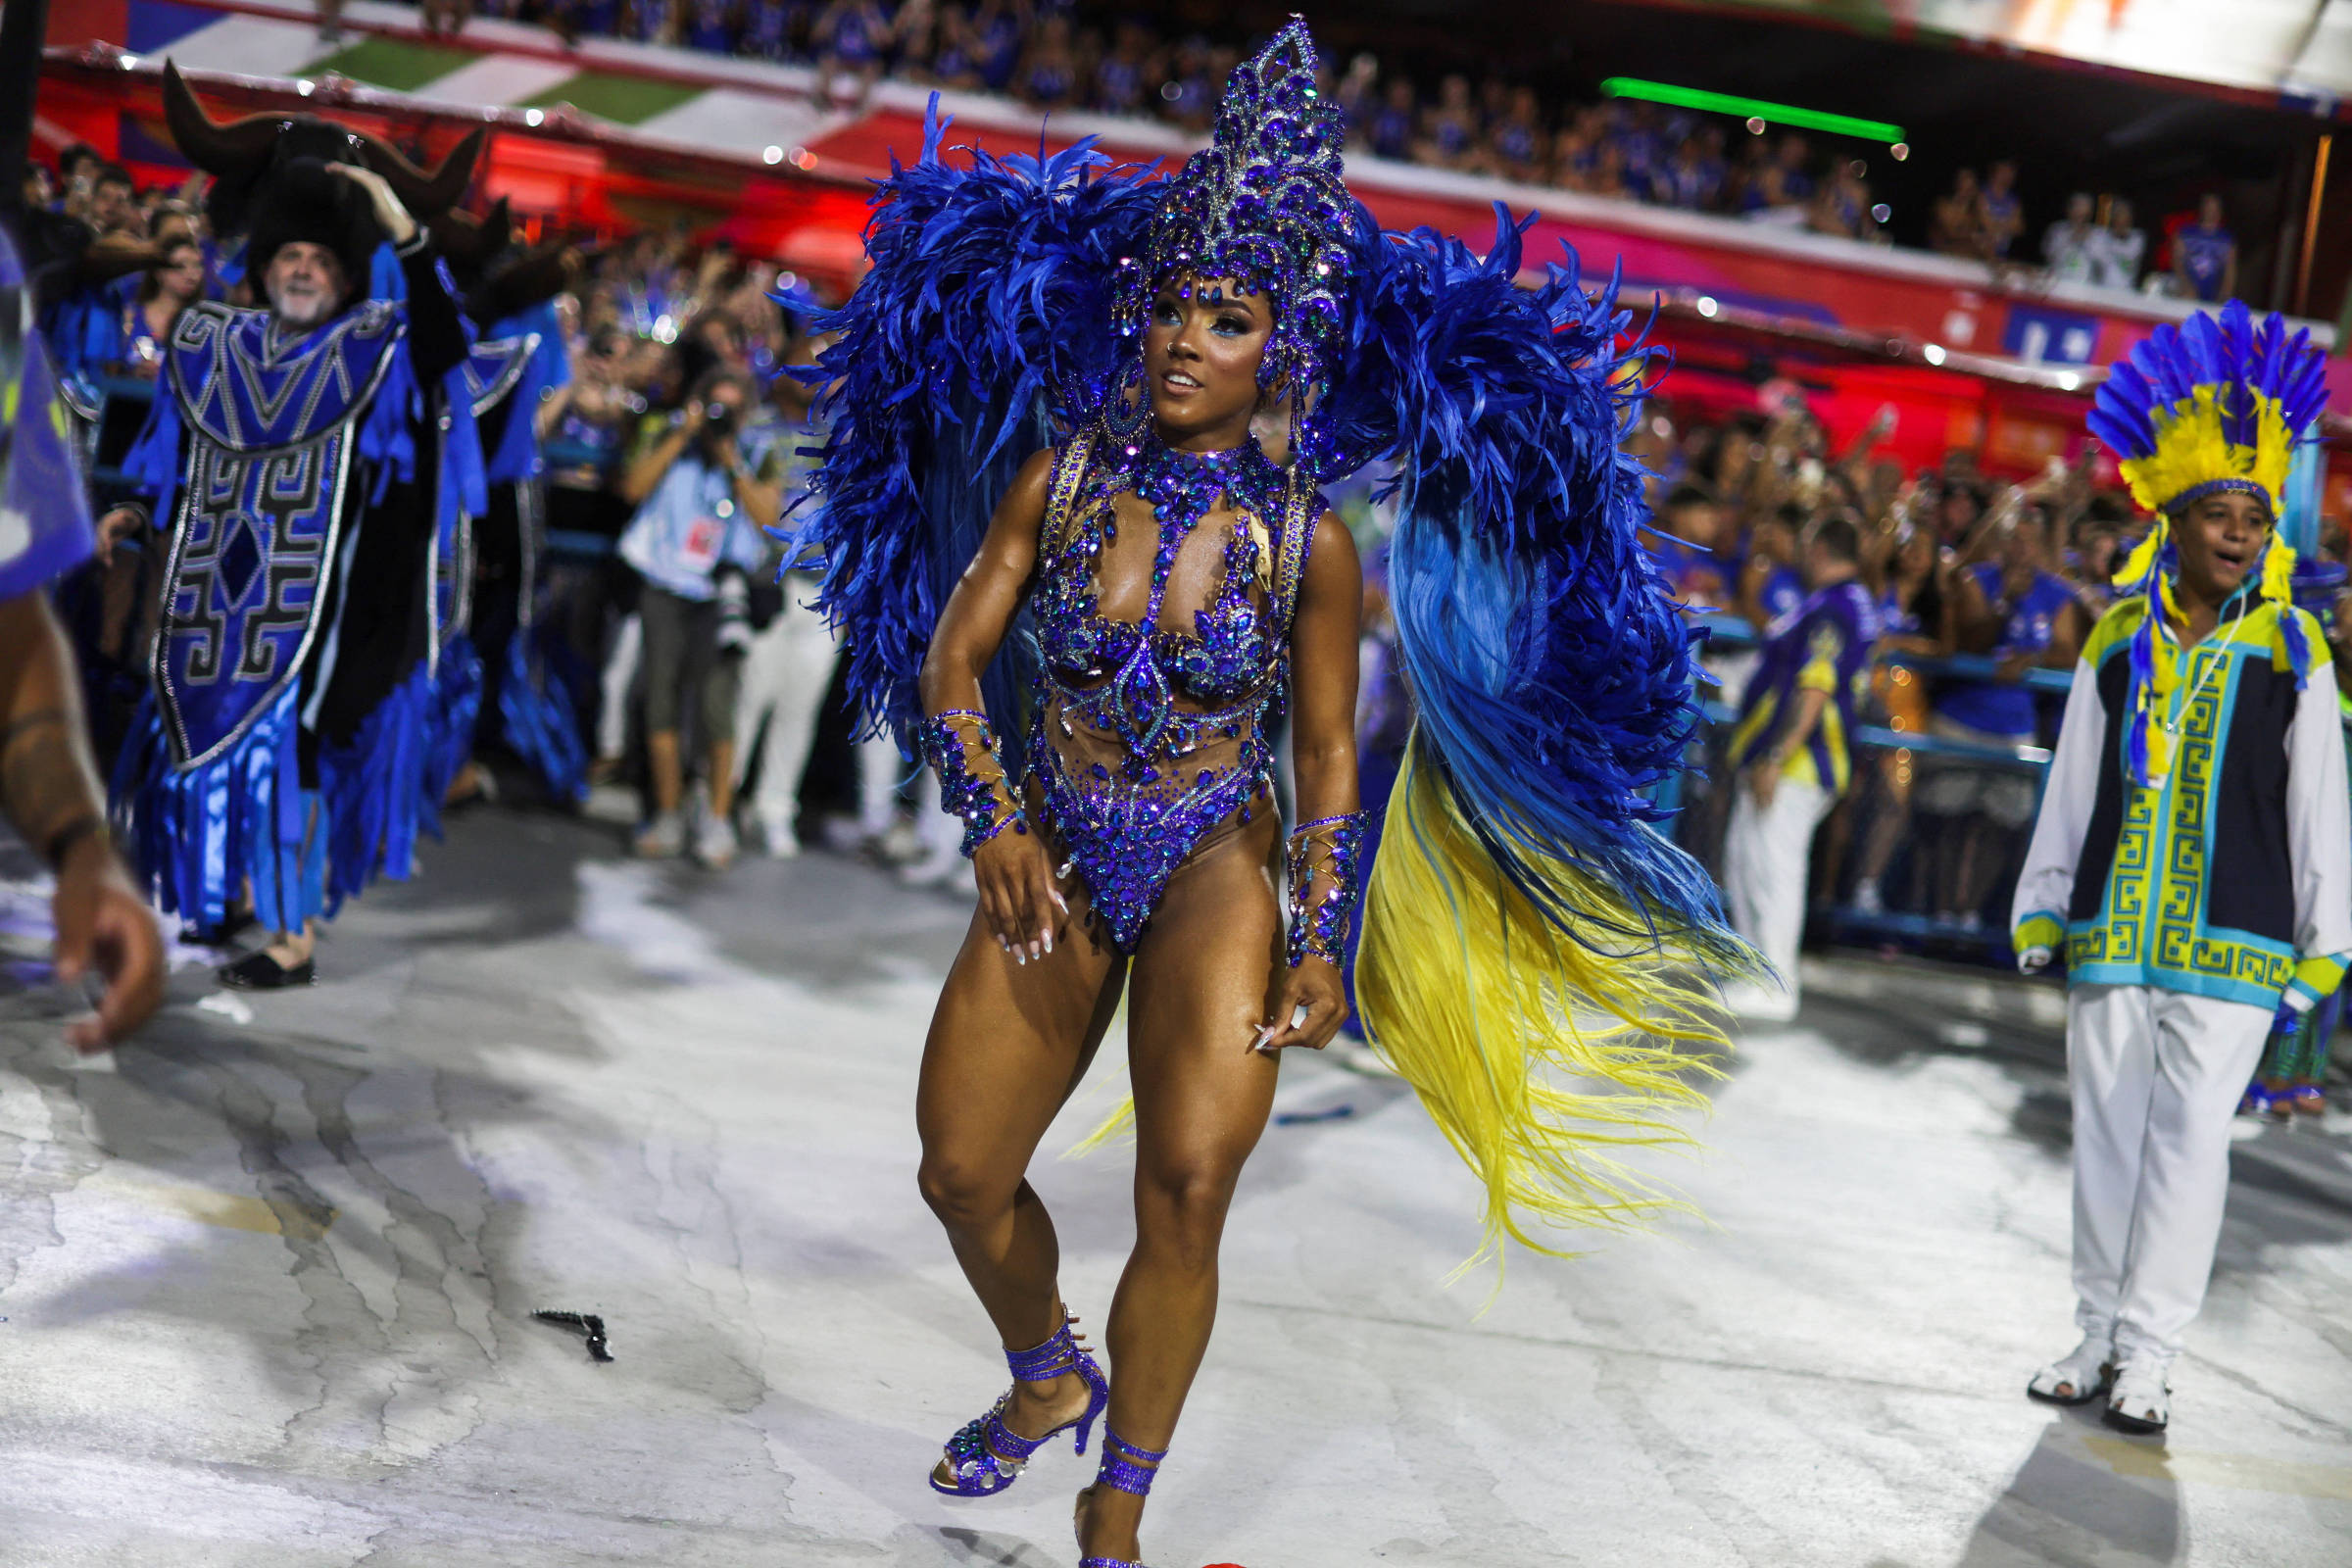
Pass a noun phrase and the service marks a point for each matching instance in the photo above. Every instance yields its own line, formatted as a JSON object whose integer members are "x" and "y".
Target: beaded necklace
{"x": 1182, "y": 487}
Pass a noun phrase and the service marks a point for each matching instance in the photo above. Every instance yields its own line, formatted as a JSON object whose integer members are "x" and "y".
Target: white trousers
{"x": 1766, "y": 852}
{"x": 619, "y": 674}
{"x": 785, "y": 674}
{"x": 2156, "y": 1078}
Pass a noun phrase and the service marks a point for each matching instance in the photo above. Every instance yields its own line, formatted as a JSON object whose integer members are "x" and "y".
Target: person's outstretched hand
{"x": 103, "y": 924}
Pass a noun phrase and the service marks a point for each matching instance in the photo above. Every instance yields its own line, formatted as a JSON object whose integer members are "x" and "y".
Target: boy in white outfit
{"x": 2193, "y": 856}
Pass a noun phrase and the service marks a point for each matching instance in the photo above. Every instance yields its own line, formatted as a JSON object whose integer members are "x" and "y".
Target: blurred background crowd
{"x": 1062, "y": 55}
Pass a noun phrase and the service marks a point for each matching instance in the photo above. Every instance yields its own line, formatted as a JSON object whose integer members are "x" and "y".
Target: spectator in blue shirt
{"x": 1392, "y": 128}
{"x": 703, "y": 489}
{"x": 2205, "y": 255}
{"x": 2025, "y": 617}
{"x": 1770, "y": 584}
{"x": 710, "y": 25}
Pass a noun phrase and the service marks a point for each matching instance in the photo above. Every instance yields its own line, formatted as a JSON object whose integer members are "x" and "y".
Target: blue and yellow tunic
{"x": 2231, "y": 875}
{"x": 1824, "y": 644}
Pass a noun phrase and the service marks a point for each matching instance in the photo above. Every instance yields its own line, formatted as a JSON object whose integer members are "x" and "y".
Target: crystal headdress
{"x": 1262, "y": 204}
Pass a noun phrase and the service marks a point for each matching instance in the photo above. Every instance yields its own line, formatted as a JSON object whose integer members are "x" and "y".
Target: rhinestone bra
{"x": 1178, "y": 723}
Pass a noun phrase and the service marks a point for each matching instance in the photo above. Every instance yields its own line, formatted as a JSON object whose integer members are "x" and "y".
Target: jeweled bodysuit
{"x": 1147, "y": 737}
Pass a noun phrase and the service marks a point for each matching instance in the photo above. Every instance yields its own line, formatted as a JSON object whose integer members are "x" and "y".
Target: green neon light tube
{"x": 1721, "y": 103}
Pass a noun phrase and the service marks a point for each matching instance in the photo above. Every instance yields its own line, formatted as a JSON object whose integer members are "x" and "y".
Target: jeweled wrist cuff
{"x": 1326, "y": 855}
{"x": 972, "y": 793}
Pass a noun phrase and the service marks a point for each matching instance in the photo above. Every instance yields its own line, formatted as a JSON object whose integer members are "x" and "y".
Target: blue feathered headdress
{"x": 2213, "y": 405}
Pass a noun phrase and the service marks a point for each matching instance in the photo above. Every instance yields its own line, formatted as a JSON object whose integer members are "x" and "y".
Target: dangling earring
{"x": 1127, "y": 413}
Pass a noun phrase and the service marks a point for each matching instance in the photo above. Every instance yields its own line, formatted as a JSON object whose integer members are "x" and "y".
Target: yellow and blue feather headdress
{"x": 2213, "y": 405}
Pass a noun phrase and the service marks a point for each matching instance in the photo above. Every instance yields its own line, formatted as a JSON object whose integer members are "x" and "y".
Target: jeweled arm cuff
{"x": 961, "y": 747}
{"x": 1327, "y": 880}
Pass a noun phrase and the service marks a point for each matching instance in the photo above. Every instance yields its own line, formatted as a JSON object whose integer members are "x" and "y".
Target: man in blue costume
{"x": 486, "y": 582}
{"x": 297, "y": 458}
{"x": 49, "y": 792}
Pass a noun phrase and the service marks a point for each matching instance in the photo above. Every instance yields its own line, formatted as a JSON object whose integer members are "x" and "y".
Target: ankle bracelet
{"x": 1048, "y": 1362}
{"x": 1126, "y": 1467}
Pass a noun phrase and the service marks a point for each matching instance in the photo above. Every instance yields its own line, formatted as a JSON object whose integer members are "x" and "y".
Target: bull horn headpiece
{"x": 240, "y": 152}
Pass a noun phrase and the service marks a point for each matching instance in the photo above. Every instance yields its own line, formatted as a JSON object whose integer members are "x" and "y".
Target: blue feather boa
{"x": 985, "y": 323}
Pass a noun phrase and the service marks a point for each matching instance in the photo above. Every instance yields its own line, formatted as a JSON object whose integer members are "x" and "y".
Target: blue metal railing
{"x": 1843, "y": 920}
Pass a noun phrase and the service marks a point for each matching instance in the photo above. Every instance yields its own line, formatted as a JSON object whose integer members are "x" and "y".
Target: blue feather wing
{"x": 983, "y": 328}
{"x": 1554, "y": 677}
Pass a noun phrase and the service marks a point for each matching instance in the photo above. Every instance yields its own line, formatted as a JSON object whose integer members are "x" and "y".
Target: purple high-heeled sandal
{"x": 986, "y": 1456}
{"x": 1127, "y": 1468}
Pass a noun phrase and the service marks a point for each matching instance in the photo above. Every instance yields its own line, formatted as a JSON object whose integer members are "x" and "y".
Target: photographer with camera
{"x": 704, "y": 489}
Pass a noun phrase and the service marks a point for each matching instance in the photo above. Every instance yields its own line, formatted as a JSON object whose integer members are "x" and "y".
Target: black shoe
{"x": 258, "y": 971}
{"x": 227, "y": 931}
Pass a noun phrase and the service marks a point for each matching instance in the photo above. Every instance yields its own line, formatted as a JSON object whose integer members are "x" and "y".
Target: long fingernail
{"x": 1062, "y": 904}
{"x": 1065, "y": 869}
{"x": 1049, "y": 938}
{"x": 1021, "y": 958}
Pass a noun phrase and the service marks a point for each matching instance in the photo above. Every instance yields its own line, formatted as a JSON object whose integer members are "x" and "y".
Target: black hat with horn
{"x": 272, "y": 184}
{"x": 497, "y": 275}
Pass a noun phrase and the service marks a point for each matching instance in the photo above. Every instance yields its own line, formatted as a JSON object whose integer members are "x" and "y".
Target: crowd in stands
{"x": 677, "y": 651}
{"x": 1960, "y": 564}
{"x": 1056, "y": 55}
{"x": 2096, "y": 242}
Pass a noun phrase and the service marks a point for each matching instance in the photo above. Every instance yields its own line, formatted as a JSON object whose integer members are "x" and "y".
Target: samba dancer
{"x": 296, "y": 456}
{"x": 2200, "y": 733}
{"x": 1183, "y": 584}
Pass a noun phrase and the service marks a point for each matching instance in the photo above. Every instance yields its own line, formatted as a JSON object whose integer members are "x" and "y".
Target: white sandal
{"x": 2141, "y": 1402}
{"x": 2077, "y": 1378}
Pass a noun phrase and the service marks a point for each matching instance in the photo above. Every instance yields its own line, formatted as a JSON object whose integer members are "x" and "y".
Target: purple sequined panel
{"x": 1148, "y": 739}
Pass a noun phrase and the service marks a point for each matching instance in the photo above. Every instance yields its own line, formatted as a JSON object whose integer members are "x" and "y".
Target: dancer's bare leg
{"x": 1008, "y": 1045}
{"x": 1198, "y": 997}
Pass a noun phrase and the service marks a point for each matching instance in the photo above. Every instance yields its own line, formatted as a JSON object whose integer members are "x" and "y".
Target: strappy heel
{"x": 986, "y": 1456}
{"x": 1125, "y": 1468}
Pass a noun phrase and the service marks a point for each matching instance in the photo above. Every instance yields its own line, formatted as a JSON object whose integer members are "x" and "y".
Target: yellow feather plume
{"x": 1541, "y": 1061}
{"x": 2191, "y": 449}
{"x": 2278, "y": 572}
{"x": 2142, "y": 560}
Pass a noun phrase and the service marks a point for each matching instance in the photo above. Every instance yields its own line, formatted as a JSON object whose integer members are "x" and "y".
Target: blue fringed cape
{"x": 282, "y": 745}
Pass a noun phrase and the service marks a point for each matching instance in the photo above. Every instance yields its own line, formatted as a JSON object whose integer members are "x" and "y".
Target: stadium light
{"x": 1720, "y": 103}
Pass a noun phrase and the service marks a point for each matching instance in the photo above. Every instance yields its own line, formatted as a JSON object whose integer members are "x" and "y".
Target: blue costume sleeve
{"x": 44, "y": 519}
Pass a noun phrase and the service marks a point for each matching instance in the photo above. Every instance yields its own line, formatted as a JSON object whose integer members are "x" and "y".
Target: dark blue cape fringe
{"x": 539, "y": 725}
{"x": 199, "y": 837}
